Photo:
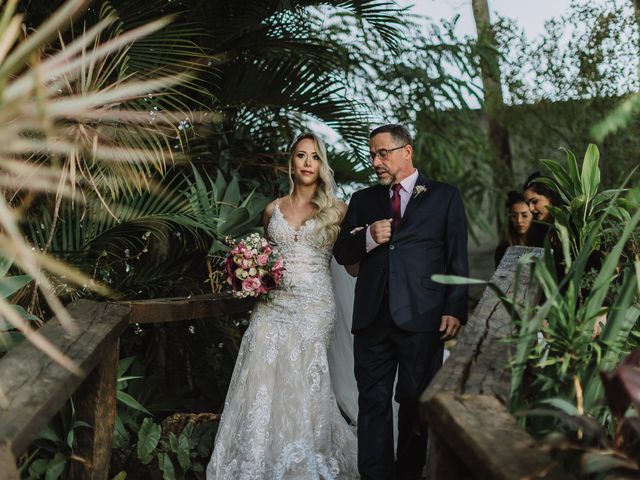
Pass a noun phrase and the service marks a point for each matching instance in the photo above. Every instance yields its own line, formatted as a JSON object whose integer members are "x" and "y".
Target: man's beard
{"x": 390, "y": 179}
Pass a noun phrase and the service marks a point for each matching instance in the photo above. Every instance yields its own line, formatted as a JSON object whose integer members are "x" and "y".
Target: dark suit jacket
{"x": 432, "y": 238}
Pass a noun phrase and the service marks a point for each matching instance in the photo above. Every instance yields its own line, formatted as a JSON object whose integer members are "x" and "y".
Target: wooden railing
{"x": 36, "y": 387}
{"x": 472, "y": 434}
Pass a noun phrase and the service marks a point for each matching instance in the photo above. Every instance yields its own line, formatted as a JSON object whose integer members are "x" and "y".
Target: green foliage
{"x": 586, "y": 209}
{"x": 10, "y": 285}
{"x": 562, "y": 82}
{"x": 219, "y": 209}
{"x": 588, "y": 320}
{"x": 51, "y": 454}
{"x": 148, "y": 438}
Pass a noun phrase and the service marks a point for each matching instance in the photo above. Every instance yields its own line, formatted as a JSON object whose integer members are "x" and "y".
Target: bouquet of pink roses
{"x": 252, "y": 267}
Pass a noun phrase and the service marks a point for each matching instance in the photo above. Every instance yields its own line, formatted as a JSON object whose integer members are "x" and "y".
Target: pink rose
{"x": 278, "y": 265}
{"x": 251, "y": 285}
{"x": 262, "y": 259}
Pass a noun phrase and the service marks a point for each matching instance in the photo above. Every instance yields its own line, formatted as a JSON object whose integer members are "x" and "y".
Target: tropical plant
{"x": 567, "y": 361}
{"x": 587, "y": 323}
{"x": 48, "y": 108}
{"x": 52, "y": 452}
{"x": 175, "y": 456}
{"x": 586, "y": 207}
{"x": 10, "y": 285}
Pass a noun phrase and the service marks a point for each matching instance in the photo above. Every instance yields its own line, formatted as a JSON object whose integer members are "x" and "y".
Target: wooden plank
{"x": 37, "y": 387}
{"x": 443, "y": 463}
{"x": 197, "y": 307}
{"x": 95, "y": 403}
{"x": 8, "y": 469}
{"x": 473, "y": 429}
{"x": 477, "y": 363}
{"x": 486, "y": 437}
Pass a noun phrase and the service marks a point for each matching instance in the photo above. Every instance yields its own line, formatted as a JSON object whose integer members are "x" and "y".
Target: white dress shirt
{"x": 405, "y": 195}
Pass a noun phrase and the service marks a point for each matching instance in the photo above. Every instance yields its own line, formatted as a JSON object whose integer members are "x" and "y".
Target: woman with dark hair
{"x": 518, "y": 224}
{"x": 539, "y": 196}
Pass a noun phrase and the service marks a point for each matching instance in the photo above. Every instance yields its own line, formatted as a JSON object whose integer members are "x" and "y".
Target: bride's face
{"x": 305, "y": 165}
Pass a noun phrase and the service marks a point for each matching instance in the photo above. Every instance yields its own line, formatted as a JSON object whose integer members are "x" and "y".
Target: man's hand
{"x": 450, "y": 326}
{"x": 381, "y": 231}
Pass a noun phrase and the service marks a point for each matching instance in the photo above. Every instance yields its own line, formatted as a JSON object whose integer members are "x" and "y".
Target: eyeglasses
{"x": 383, "y": 152}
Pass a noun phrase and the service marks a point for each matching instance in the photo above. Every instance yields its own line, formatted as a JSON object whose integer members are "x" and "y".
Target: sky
{"x": 530, "y": 14}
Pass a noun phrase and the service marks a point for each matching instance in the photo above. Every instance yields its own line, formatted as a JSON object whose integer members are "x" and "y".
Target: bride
{"x": 280, "y": 418}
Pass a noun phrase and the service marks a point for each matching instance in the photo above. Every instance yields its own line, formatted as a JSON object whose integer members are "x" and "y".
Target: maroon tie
{"x": 395, "y": 205}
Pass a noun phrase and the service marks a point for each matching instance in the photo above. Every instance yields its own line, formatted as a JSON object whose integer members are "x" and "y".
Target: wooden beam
{"x": 487, "y": 438}
{"x": 478, "y": 363}
{"x": 95, "y": 403}
{"x": 197, "y": 307}
{"x": 36, "y": 386}
{"x": 464, "y": 404}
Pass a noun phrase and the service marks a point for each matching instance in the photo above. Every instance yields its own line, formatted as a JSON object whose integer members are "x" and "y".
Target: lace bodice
{"x": 305, "y": 258}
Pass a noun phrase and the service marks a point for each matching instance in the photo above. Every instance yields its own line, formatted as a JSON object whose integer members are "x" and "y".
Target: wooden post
{"x": 96, "y": 405}
{"x": 8, "y": 470}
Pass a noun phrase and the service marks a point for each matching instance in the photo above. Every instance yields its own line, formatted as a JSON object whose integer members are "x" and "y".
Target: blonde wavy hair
{"x": 328, "y": 213}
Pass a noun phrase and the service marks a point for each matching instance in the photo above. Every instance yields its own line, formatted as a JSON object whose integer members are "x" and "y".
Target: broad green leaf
{"x": 124, "y": 364}
{"x": 166, "y": 465}
{"x": 38, "y": 468}
{"x": 572, "y": 170}
{"x": 56, "y": 467}
{"x": 230, "y": 223}
{"x": 120, "y": 476}
{"x": 10, "y": 285}
{"x": 148, "y": 438}
{"x": 590, "y": 177}
{"x": 48, "y": 433}
{"x": 131, "y": 402}
{"x": 183, "y": 452}
{"x": 560, "y": 175}
{"x": 5, "y": 264}
{"x": 563, "y": 405}
{"x": 231, "y": 198}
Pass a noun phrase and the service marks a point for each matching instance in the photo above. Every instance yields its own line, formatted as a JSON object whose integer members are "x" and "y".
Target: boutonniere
{"x": 418, "y": 190}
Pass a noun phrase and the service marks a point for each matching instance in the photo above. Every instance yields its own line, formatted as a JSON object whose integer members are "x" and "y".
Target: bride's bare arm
{"x": 351, "y": 269}
{"x": 266, "y": 216}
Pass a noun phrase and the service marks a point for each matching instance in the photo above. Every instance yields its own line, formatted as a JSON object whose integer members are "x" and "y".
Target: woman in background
{"x": 518, "y": 224}
{"x": 539, "y": 197}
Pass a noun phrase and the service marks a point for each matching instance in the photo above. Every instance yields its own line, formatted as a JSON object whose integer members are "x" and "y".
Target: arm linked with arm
{"x": 350, "y": 247}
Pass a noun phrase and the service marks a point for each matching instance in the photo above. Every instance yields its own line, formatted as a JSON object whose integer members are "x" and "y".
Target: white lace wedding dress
{"x": 280, "y": 418}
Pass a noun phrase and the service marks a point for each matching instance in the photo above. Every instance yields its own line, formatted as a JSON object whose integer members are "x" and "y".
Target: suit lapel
{"x": 419, "y": 191}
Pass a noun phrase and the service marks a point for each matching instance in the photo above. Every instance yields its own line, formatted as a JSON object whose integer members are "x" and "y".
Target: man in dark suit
{"x": 401, "y": 232}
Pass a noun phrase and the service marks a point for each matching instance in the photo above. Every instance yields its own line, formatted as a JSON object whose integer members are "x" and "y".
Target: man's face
{"x": 390, "y": 162}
